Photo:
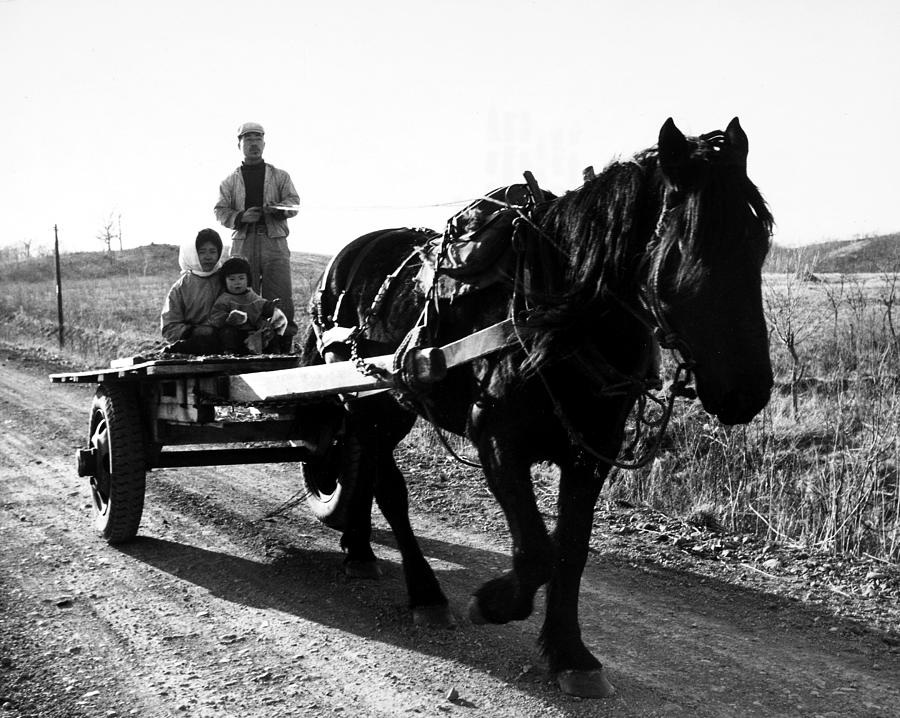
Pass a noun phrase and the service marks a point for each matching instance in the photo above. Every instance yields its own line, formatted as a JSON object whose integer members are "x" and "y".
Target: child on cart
{"x": 184, "y": 320}
{"x": 246, "y": 323}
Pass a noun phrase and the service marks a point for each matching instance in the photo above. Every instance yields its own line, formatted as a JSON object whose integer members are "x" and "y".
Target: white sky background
{"x": 380, "y": 109}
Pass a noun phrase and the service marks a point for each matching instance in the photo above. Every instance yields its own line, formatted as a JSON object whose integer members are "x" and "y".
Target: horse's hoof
{"x": 433, "y": 617}
{"x": 362, "y": 569}
{"x": 475, "y": 614}
{"x": 585, "y": 684}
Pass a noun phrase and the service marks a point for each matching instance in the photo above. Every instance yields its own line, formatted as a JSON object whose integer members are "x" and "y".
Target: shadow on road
{"x": 656, "y": 629}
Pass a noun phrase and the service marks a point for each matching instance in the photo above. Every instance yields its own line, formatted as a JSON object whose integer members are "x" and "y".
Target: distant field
{"x": 111, "y": 307}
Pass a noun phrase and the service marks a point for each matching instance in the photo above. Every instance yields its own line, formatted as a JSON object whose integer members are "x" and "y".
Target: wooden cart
{"x": 217, "y": 410}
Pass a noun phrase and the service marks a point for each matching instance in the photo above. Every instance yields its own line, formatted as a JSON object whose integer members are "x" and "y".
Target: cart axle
{"x": 86, "y": 459}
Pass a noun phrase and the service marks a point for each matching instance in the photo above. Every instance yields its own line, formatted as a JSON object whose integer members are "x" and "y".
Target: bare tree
{"x": 108, "y": 232}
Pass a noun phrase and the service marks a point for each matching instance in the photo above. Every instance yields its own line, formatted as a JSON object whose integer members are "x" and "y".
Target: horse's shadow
{"x": 310, "y": 585}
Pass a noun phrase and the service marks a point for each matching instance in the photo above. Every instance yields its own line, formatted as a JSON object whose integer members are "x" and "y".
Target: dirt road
{"x": 216, "y": 611}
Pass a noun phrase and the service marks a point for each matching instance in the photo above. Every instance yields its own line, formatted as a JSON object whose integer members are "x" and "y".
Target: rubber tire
{"x": 331, "y": 480}
{"x": 119, "y": 486}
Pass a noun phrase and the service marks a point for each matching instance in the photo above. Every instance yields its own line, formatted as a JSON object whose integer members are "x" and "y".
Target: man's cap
{"x": 235, "y": 265}
{"x": 250, "y": 127}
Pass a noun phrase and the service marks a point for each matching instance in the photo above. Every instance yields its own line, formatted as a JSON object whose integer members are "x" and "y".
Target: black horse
{"x": 667, "y": 245}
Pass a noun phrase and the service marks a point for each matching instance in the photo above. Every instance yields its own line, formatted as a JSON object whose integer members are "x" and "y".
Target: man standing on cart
{"x": 255, "y": 201}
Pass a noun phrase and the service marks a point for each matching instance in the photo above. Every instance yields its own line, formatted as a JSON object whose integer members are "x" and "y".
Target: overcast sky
{"x": 386, "y": 112}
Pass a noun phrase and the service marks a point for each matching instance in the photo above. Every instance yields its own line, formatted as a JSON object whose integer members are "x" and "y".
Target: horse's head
{"x": 704, "y": 283}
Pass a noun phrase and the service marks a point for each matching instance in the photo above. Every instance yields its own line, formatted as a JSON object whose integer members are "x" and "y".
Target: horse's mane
{"x": 593, "y": 243}
{"x": 597, "y": 228}
{"x": 584, "y": 245}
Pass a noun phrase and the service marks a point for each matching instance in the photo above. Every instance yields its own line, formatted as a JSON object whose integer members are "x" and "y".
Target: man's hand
{"x": 236, "y": 317}
{"x": 251, "y": 216}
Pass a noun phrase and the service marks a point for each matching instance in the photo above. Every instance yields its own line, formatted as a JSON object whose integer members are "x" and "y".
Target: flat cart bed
{"x": 175, "y": 411}
{"x": 134, "y": 368}
{"x": 218, "y": 410}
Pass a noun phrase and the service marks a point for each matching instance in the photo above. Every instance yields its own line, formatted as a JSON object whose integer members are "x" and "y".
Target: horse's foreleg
{"x": 511, "y": 596}
{"x": 575, "y": 667}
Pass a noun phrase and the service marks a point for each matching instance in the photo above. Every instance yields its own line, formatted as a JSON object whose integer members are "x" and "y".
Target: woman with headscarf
{"x": 184, "y": 320}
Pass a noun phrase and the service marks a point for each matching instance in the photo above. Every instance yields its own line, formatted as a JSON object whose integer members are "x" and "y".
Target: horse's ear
{"x": 674, "y": 151}
{"x": 737, "y": 141}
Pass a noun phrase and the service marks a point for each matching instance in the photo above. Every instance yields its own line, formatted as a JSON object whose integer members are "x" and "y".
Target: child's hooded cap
{"x": 235, "y": 265}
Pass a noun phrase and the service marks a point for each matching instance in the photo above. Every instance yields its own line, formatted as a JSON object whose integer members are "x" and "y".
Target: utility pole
{"x": 59, "y": 302}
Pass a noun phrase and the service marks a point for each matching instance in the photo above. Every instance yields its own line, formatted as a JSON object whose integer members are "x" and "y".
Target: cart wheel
{"x": 330, "y": 481}
{"x": 120, "y": 477}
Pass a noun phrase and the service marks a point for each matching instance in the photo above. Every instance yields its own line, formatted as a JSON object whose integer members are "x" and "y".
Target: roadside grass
{"x": 818, "y": 467}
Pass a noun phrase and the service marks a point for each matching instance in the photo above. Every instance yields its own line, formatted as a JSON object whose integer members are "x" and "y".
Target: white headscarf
{"x": 190, "y": 262}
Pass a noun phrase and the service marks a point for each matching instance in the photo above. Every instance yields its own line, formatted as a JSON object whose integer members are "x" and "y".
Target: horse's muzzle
{"x": 738, "y": 405}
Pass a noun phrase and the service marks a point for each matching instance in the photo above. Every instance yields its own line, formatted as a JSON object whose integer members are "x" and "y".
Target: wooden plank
{"x": 169, "y": 368}
{"x": 308, "y": 381}
{"x": 222, "y": 366}
{"x": 172, "y": 434}
{"x": 81, "y": 377}
{"x": 481, "y": 343}
{"x": 222, "y": 457}
{"x": 127, "y": 362}
{"x": 344, "y": 378}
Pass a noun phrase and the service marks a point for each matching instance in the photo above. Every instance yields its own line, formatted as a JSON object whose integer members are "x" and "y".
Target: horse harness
{"x": 336, "y": 341}
{"x": 465, "y": 260}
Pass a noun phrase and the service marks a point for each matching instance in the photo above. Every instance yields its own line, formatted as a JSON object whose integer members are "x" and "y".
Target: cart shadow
{"x": 310, "y": 584}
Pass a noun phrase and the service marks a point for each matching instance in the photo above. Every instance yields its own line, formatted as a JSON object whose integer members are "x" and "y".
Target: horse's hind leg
{"x": 360, "y": 561}
{"x": 426, "y": 599}
{"x": 386, "y": 424}
{"x": 575, "y": 667}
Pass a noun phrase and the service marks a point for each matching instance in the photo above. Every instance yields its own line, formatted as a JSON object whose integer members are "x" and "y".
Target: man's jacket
{"x": 277, "y": 189}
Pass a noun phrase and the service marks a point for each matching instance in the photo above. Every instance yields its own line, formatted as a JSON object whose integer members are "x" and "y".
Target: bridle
{"x": 658, "y": 249}
{"x": 650, "y": 314}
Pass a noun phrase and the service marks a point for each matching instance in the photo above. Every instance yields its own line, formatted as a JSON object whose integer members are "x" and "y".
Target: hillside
{"x": 147, "y": 261}
{"x": 866, "y": 255}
